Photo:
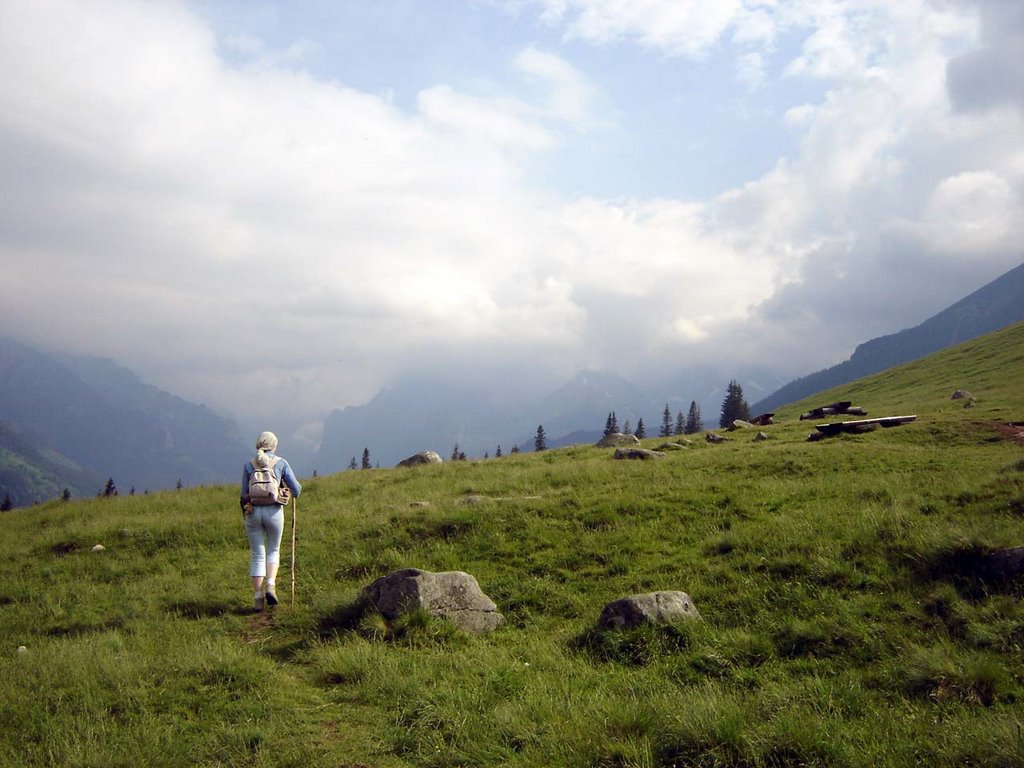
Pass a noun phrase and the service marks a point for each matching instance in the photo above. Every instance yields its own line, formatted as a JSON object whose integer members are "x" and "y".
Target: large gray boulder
{"x": 616, "y": 439}
{"x": 423, "y": 457}
{"x": 451, "y": 595}
{"x": 648, "y": 608}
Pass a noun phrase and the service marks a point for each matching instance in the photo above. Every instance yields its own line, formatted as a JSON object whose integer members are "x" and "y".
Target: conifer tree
{"x": 515, "y": 449}
{"x": 455, "y": 452}
{"x": 627, "y": 428}
{"x": 540, "y": 441}
{"x": 65, "y": 495}
{"x": 110, "y": 489}
{"x": 640, "y": 433}
{"x": 611, "y": 425}
{"x": 178, "y": 486}
{"x": 680, "y": 424}
{"x": 497, "y": 453}
{"x": 694, "y": 423}
{"x": 352, "y": 463}
{"x": 734, "y": 406}
{"x": 6, "y": 505}
{"x": 666, "y": 423}
{"x": 366, "y": 458}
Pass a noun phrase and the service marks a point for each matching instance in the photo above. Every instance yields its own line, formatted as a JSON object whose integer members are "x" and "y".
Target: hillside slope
{"x": 850, "y": 613}
{"x": 994, "y": 306}
{"x": 104, "y": 422}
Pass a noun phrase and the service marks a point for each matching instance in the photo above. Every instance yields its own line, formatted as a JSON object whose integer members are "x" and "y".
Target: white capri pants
{"x": 264, "y": 526}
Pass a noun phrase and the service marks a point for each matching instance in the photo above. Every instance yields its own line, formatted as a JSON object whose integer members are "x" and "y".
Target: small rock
{"x": 99, "y": 548}
{"x": 423, "y": 457}
{"x": 711, "y": 437}
{"x": 637, "y": 453}
{"x": 672, "y": 447}
{"x": 22, "y": 649}
{"x": 616, "y": 439}
{"x": 419, "y": 503}
{"x": 740, "y": 424}
{"x": 962, "y": 394}
{"x": 760, "y": 437}
{"x": 652, "y": 607}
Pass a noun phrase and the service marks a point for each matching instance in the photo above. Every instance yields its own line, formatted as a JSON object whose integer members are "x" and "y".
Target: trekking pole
{"x": 294, "y": 505}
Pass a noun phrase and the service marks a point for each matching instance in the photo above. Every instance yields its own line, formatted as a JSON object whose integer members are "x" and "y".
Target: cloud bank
{"x": 244, "y": 231}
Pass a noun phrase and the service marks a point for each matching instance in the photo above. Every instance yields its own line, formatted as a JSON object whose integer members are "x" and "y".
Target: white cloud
{"x": 171, "y": 204}
{"x": 689, "y": 28}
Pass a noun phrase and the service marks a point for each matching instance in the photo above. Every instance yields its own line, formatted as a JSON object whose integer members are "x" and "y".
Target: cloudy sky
{"x": 296, "y": 202}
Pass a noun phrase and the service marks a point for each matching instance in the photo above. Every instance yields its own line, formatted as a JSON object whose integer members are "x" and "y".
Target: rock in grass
{"x": 677, "y": 446}
{"x": 423, "y": 457}
{"x": 760, "y": 437}
{"x": 22, "y": 649}
{"x": 739, "y": 424}
{"x": 962, "y": 394}
{"x": 647, "y": 608}
{"x": 99, "y": 548}
{"x": 637, "y": 453}
{"x": 451, "y": 595}
{"x": 711, "y": 437}
{"x": 617, "y": 439}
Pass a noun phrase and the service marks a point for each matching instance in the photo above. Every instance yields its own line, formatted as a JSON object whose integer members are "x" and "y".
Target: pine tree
{"x": 734, "y": 406}
{"x": 666, "y": 423}
{"x": 366, "y": 458}
{"x": 640, "y": 433}
{"x": 110, "y": 489}
{"x": 611, "y": 424}
{"x": 515, "y": 449}
{"x": 540, "y": 441}
{"x": 131, "y": 491}
{"x": 352, "y": 463}
{"x": 680, "y": 424}
{"x": 455, "y": 452}
{"x": 65, "y": 495}
{"x": 694, "y": 423}
{"x": 178, "y": 486}
{"x": 487, "y": 454}
{"x": 627, "y": 428}
{"x": 497, "y": 453}
{"x": 6, "y": 505}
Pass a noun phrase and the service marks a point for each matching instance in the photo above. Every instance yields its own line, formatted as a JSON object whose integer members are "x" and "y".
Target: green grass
{"x": 840, "y": 627}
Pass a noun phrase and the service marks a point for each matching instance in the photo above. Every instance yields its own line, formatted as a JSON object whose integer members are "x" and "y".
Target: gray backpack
{"x": 264, "y": 487}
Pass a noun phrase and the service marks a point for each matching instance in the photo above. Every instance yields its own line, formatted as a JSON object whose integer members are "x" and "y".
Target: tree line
{"x": 734, "y": 407}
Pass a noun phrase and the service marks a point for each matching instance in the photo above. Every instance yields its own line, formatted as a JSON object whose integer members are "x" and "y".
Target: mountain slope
{"x": 991, "y": 307}
{"x": 104, "y": 422}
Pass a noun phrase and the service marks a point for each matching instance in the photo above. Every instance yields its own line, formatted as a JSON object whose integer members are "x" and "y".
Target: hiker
{"x": 267, "y": 484}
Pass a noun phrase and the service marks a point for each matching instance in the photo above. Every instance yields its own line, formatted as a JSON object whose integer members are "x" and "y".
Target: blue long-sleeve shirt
{"x": 282, "y": 471}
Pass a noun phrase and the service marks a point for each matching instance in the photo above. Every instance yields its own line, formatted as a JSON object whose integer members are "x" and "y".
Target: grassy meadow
{"x": 841, "y": 625}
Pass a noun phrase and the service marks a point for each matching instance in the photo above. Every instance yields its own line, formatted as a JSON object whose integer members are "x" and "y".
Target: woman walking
{"x": 267, "y": 484}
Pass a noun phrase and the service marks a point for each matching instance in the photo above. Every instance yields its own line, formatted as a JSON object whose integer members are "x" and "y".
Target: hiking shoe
{"x": 271, "y": 596}
{"x": 258, "y": 605}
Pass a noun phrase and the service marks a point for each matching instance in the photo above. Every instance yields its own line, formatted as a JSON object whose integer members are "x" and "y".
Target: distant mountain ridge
{"x": 996, "y": 305}
{"x": 75, "y": 421}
